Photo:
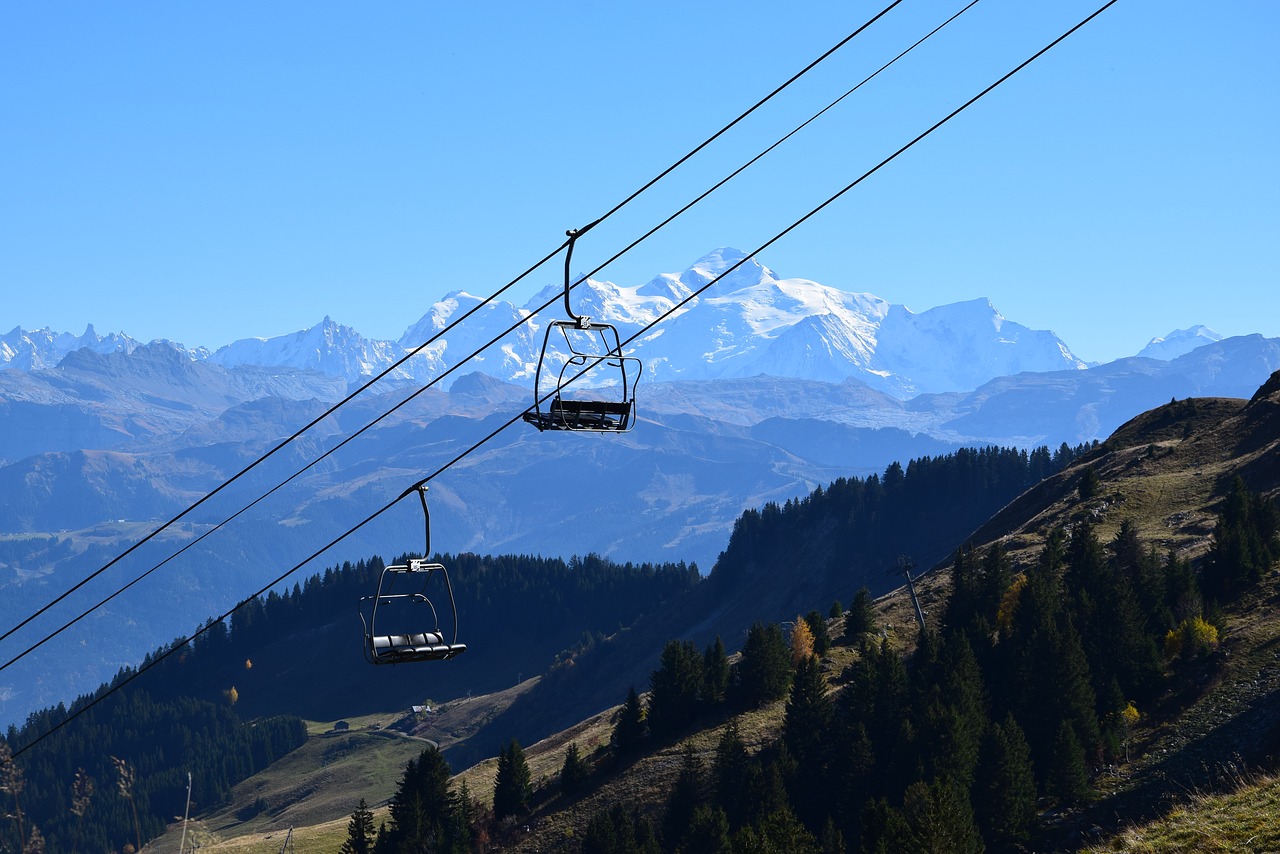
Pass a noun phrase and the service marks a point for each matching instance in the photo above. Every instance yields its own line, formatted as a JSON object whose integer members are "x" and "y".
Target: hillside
{"x": 1216, "y": 721}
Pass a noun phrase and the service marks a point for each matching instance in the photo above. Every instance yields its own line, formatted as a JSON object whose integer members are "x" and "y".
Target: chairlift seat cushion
{"x": 406, "y": 642}
{"x": 598, "y": 415}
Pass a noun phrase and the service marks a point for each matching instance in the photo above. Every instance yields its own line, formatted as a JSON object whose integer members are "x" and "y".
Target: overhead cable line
{"x": 56, "y": 632}
{"x": 166, "y": 525}
{"x": 181, "y": 644}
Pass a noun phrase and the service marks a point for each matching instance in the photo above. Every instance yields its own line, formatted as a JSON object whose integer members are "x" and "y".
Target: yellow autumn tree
{"x": 801, "y": 641}
{"x": 232, "y": 695}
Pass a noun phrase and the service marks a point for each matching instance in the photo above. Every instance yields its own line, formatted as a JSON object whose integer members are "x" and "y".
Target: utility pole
{"x": 906, "y": 565}
{"x": 186, "y": 813}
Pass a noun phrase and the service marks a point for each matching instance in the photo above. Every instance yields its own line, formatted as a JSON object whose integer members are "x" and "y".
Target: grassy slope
{"x": 315, "y": 788}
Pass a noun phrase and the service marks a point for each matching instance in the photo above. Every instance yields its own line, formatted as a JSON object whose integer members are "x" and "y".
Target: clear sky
{"x": 207, "y": 171}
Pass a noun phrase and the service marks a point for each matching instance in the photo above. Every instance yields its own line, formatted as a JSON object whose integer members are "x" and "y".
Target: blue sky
{"x": 211, "y": 171}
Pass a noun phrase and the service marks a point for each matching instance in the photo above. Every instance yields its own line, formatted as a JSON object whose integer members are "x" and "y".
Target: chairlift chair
{"x": 398, "y": 629}
{"x": 584, "y": 412}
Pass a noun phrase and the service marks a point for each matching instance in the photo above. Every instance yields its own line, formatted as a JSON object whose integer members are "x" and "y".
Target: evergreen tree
{"x": 779, "y": 831}
{"x": 832, "y": 840}
{"x": 948, "y": 708}
{"x": 422, "y": 809}
{"x": 763, "y": 673}
{"x": 674, "y": 689}
{"x": 940, "y": 818}
{"x": 715, "y": 673}
{"x": 360, "y": 832}
{"x": 1090, "y": 484}
{"x": 512, "y": 789}
{"x": 735, "y": 777}
{"x": 806, "y": 732}
{"x": 574, "y": 772}
{"x": 861, "y": 617}
{"x": 1068, "y": 778}
{"x": 885, "y": 830}
{"x": 614, "y": 831}
{"x": 708, "y": 831}
{"x": 629, "y": 731}
{"x": 821, "y": 636}
{"x": 1246, "y": 542}
{"x": 1004, "y": 796}
{"x": 686, "y": 796}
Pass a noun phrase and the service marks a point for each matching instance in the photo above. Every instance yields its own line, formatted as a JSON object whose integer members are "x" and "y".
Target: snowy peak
{"x": 31, "y": 350}
{"x": 1179, "y": 342}
{"x": 328, "y": 348}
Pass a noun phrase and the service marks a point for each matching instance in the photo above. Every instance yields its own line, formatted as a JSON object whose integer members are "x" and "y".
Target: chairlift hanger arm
{"x": 581, "y": 321}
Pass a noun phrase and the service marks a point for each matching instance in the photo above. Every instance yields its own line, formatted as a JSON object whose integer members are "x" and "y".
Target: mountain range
{"x": 750, "y": 322}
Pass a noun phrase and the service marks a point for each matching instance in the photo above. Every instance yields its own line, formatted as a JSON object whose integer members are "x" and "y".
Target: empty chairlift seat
{"x": 407, "y": 611}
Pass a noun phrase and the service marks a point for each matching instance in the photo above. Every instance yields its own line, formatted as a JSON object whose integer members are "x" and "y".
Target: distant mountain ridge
{"x": 751, "y": 322}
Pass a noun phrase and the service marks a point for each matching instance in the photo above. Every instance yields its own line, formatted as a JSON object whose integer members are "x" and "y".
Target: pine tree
{"x": 574, "y": 772}
{"x": 360, "y": 832}
{"x": 512, "y": 789}
{"x": 630, "y": 729}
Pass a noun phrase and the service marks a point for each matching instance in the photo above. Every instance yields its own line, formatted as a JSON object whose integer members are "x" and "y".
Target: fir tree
{"x": 1004, "y": 796}
{"x": 764, "y": 670}
{"x": 512, "y": 789}
{"x": 778, "y": 831}
{"x": 715, "y": 673}
{"x": 861, "y": 617}
{"x": 1245, "y": 542}
{"x": 806, "y": 732}
{"x": 574, "y": 772}
{"x": 708, "y": 831}
{"x": 735, "y": 777}
{"x": 422, "y": 809}
{"x": 629, "y": 731}
{"x": 686, "y": 796}
{"x": 940, "y": 818}
{"x": 818, "y": 628}
{"x": 614, "y": 831}
{"x": 360, "y": 832}
{"x": 674, "y": 689}
{"x": 1068, "y": 778}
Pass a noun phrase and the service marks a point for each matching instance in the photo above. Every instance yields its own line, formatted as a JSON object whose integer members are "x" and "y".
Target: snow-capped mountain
{"x": 750, "y": 322}
{"x": 32, "y": 349}
{"x": 753, "y": 322}
{"x": 1179, "y": 342}
{"x": 328, "y": 348}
